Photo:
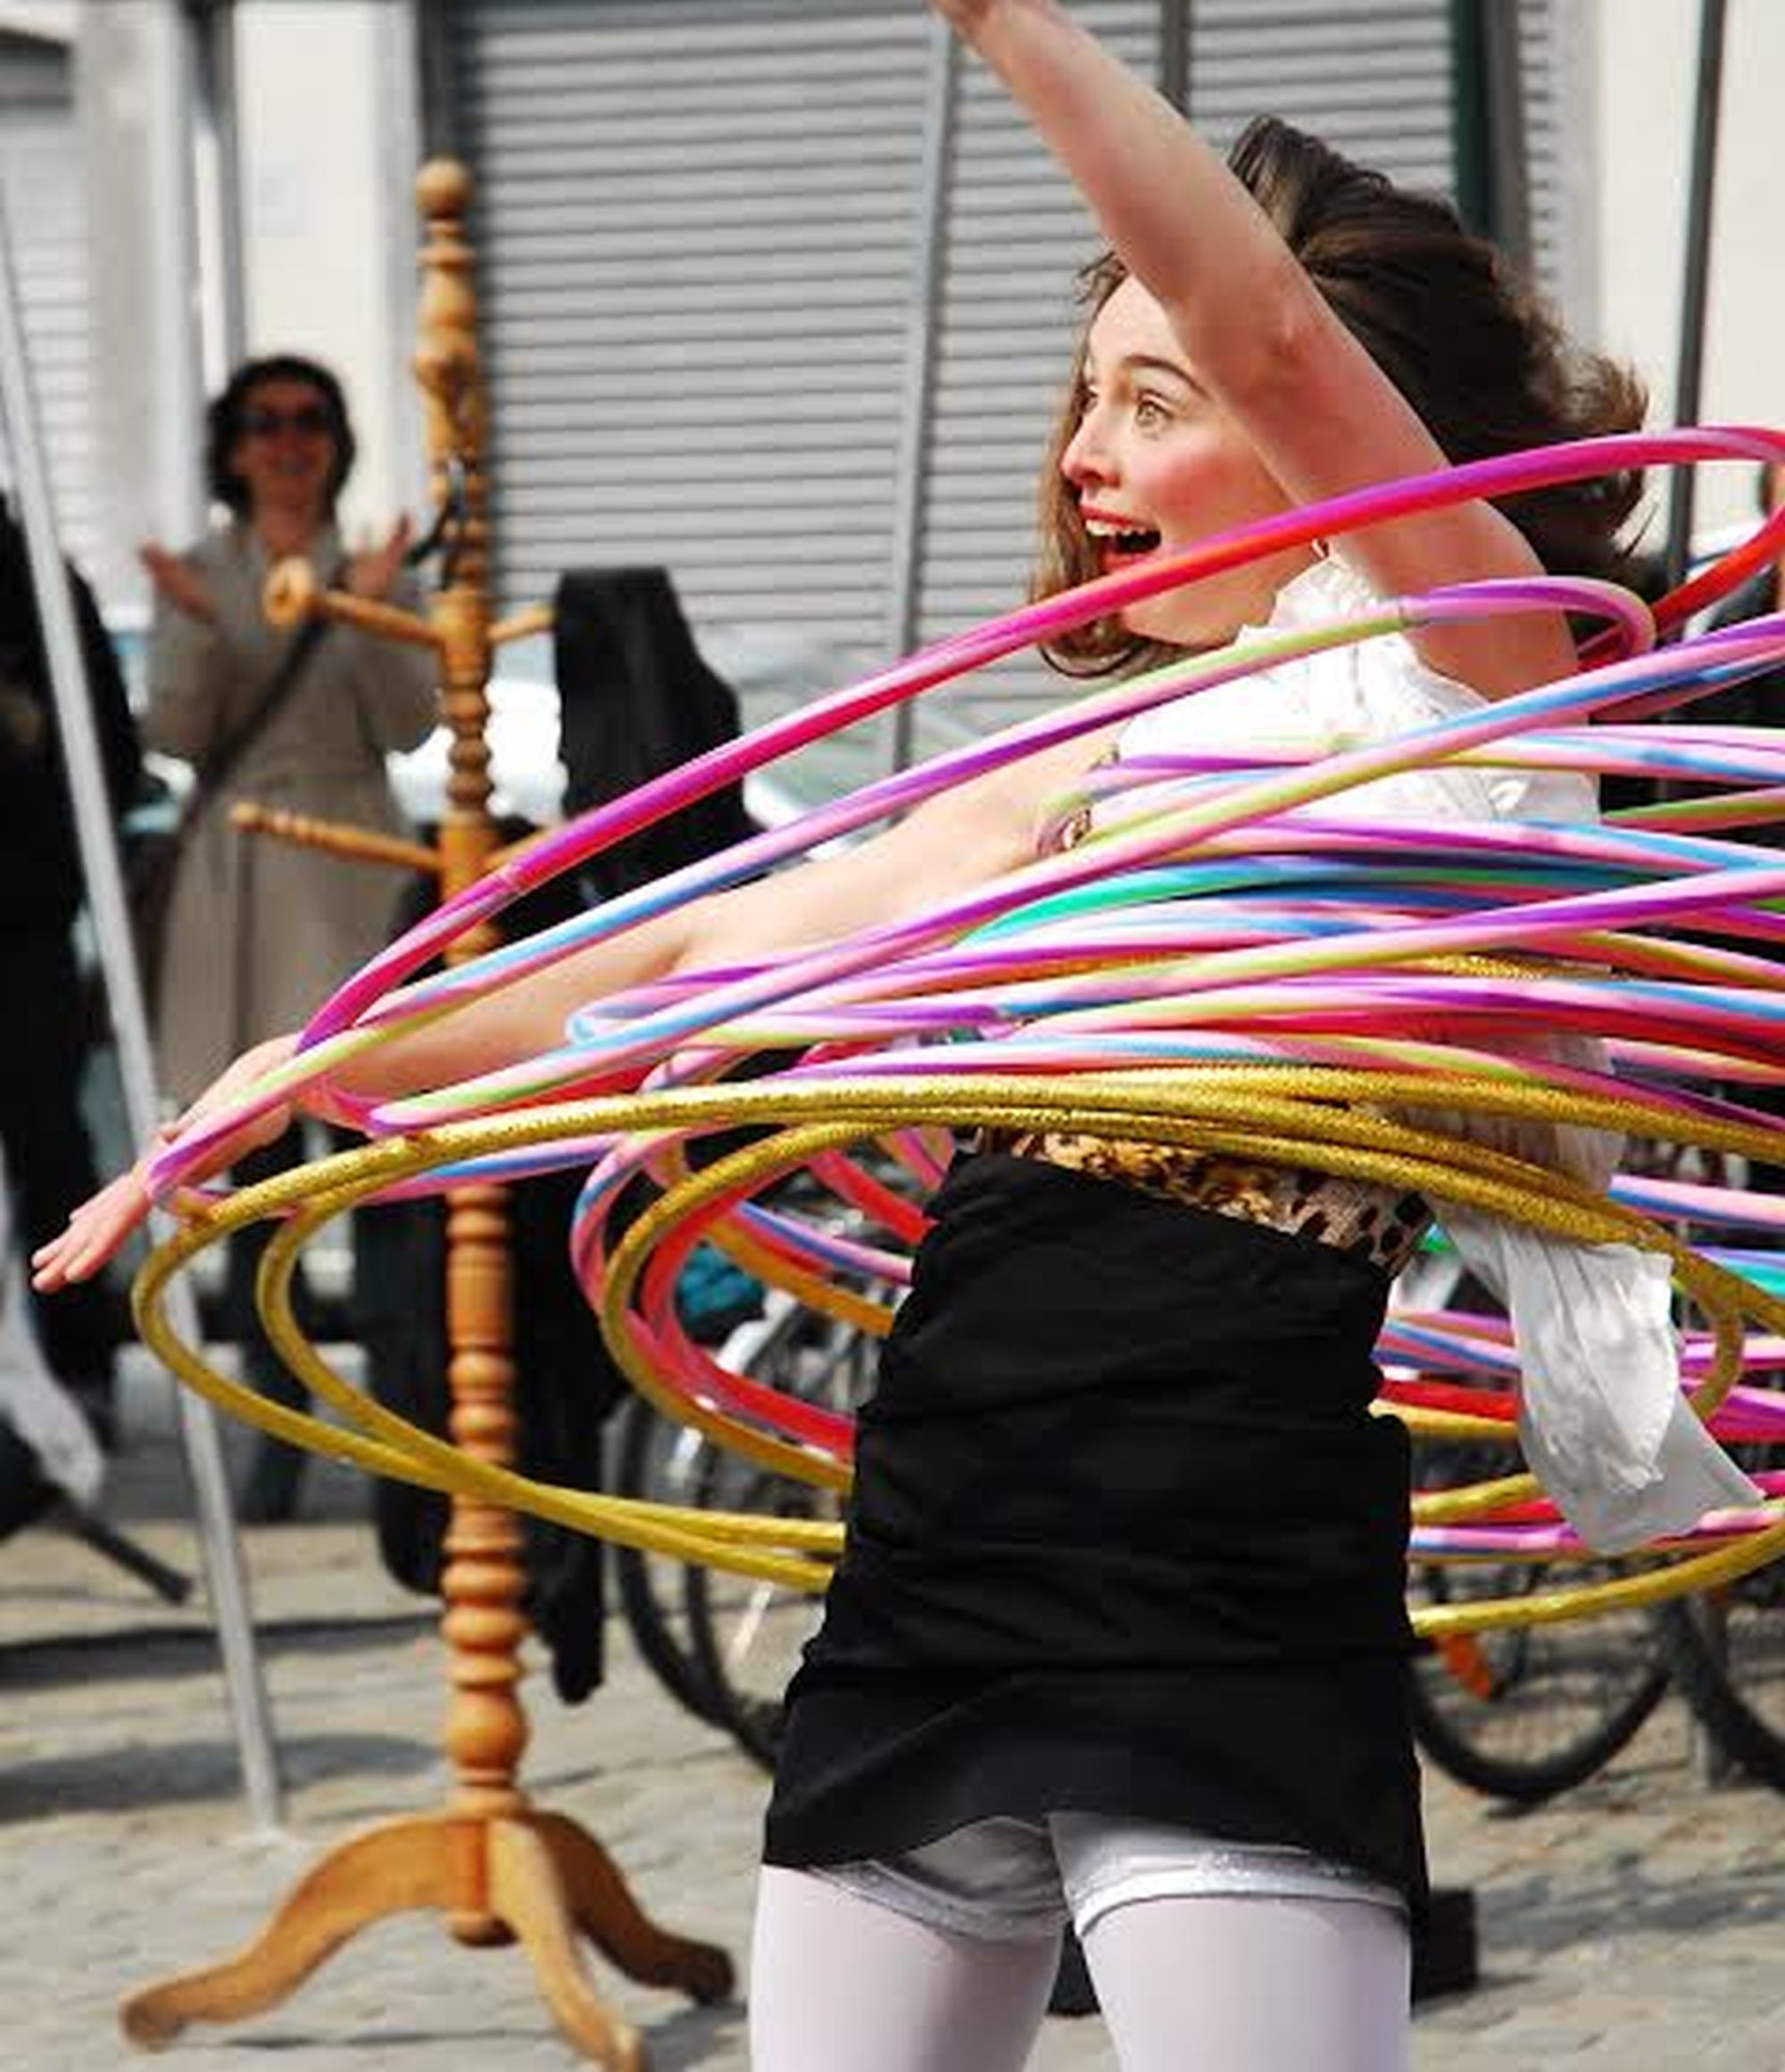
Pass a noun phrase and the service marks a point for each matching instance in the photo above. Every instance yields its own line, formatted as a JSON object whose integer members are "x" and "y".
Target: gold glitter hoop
{"x": 1289, "y": 1114}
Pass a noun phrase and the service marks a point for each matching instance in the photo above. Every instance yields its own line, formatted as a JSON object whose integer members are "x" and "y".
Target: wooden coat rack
{"x": 499, "y": 1869}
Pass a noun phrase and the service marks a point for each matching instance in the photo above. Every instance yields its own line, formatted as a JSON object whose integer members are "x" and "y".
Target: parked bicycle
{"x": 726, "y": 1645}
{"x": 1521, "y": 1713}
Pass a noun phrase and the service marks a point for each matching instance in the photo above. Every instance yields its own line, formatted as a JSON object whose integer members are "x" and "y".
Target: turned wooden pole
{"x": 483, "y": 1576}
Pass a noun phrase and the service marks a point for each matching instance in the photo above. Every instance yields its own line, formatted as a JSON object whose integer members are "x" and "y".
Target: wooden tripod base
{"x": 527, "y": 1877}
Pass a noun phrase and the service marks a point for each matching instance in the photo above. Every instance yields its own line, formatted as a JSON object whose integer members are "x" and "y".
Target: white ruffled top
{"x": 1602, "y": 1418}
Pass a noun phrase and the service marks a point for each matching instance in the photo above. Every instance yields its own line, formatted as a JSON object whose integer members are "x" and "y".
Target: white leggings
{"x": 1185, "y": 1985}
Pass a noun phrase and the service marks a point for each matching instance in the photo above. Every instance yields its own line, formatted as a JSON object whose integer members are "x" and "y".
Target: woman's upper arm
{"x": 962, "y": 838}
{"x": 186, "y": 677}
{"x": 1325, "y": 419}
{"x": 397, "y": 684}
{"x": 958, "y": 840}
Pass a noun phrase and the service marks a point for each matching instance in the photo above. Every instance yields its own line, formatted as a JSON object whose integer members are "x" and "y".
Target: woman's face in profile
{"x": 1157, "y": 465}
{"x": 285, "y": 446}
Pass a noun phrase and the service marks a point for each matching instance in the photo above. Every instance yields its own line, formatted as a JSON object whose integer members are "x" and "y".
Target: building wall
{"x": 44, "y": 227}
{"x": 697, "y": 226}
{"x": 329, "y": 155}
{"x": 1645, "y": 62}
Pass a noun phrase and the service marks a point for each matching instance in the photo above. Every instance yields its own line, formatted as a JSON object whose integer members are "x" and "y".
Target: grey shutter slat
{"x": 1374, "y": 81}
{"x": 1543, "y": 126}
{"x": 693, "y": 224}
{"x": 40, "y": 169}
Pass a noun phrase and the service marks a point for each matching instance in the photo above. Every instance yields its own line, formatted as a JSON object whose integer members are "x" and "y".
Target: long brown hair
{"x": 1471, "y": 347}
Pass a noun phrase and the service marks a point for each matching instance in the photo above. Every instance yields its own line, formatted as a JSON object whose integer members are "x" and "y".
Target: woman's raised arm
{"x": 1261, "y": 338}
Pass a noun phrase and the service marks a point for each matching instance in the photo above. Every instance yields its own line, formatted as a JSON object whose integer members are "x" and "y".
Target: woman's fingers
{"x": 176, "y": 580}
{"x": 96, "y": 1231}
{"x": 372, "y": 571}
{"x": 100, "y": 1226}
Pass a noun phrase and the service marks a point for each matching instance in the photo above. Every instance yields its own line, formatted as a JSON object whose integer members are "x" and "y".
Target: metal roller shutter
{"x": 47, "y": 224}
{"x": 696, "y": 226}
{"x": 693, "y": 224}
{"x": 1540, "y": 68}
{"x": 1018, "y": 235}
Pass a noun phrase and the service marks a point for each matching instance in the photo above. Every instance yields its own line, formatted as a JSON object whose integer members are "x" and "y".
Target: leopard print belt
{"x": 1383, "y": 1224}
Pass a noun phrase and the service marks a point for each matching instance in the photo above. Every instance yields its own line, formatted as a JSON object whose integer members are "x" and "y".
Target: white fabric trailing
{"x": 1602, "y": 1417}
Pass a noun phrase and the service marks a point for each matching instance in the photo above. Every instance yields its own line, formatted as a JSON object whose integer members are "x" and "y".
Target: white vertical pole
{"x": 129, "y": 1020}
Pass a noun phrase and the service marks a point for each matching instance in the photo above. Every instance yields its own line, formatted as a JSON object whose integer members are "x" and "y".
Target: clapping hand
{"x": 373, "y": 570}
{"x": 176, "y": 581}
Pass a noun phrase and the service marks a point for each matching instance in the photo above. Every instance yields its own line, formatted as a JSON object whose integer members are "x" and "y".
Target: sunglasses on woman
{"x": 309, "y": 420}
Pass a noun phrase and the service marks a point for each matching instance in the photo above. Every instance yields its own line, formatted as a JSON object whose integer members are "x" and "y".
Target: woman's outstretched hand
{"x": 101, "y": 1226}
{"x": 176, "y": 582}
{"x": 373, "y": 570}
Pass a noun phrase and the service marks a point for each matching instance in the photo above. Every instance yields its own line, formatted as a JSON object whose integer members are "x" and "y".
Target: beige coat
{"x": 260, "y": 931}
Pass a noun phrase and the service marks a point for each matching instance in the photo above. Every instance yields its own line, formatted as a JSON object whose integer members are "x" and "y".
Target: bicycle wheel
{"x": 1727, "y": 1652}
{"x": 1522, "y": 1713}
{"x": 747, "y": 1634}
{"x": 666, "y": 1463}
{"x": 1519, "y": 1713}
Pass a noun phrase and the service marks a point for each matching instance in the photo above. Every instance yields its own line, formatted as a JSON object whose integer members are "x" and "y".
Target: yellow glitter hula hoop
{"x": 1286, "y": 1114}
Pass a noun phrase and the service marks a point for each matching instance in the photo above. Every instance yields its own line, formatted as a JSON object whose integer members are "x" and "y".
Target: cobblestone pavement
{"x": 1634, "y": 1924}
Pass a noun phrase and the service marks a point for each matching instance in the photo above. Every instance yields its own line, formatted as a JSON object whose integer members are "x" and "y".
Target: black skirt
{"x": 1125, "y": 1538}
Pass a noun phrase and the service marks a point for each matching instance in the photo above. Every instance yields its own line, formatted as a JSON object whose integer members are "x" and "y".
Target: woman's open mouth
{"x": 1115, "y": 543}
